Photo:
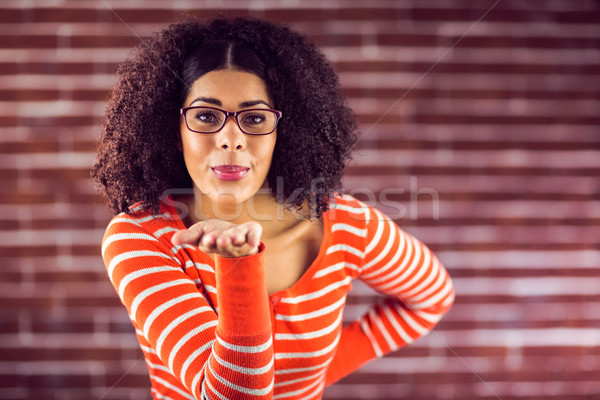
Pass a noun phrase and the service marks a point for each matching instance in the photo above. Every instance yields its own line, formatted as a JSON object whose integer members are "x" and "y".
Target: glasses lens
{"x": 202, "y": 119}
{"x": 257, "y": 122}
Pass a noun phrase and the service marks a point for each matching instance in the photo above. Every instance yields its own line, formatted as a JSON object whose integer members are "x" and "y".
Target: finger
{"x": 239, "y": 235}
{"x": 224, "y": 245}
{"x": 239, "y": 245}
{"x": 185, "y": 236}
{"x": 254, "y": 234}
{"x": 209, "y": 241}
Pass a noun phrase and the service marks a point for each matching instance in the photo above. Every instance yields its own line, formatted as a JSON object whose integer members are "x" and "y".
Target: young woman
{"x": 222, "y": 152}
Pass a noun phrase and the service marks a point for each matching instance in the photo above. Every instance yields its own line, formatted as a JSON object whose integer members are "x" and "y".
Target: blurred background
{"x": 480, "y": 133}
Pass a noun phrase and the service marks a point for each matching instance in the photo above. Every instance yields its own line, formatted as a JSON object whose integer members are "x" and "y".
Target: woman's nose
{"x": 230, "y": 137}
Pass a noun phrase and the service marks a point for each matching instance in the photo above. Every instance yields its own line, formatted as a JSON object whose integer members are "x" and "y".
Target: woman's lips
{"x": 230, "y": 172}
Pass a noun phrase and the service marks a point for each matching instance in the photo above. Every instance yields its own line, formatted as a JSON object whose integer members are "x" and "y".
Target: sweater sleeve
{"x": 418, "y": 293}
{"x": 229, "y": 355}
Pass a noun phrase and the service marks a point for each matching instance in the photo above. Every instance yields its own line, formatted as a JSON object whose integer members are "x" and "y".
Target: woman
{"x": 235, "y": 261}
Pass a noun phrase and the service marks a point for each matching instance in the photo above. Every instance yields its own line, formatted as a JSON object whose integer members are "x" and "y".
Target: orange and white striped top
{"x": 209, "y": 329}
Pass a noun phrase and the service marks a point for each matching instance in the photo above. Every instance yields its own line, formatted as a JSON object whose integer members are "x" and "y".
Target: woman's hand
{"x": 221, "y": 237}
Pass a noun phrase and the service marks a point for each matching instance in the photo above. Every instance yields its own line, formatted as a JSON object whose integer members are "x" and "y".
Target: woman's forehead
{"x": 229, "y": 86}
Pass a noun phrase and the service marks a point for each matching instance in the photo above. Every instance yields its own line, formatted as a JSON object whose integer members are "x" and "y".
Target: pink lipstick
{"x": 230, "y": 172}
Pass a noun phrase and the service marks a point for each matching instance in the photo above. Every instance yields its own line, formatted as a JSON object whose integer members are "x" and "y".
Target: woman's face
{"x": 228, "y": 165}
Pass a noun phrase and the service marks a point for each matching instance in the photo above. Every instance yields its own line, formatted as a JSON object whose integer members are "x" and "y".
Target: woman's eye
{"x": 254, "y": 119}
{"x": 205, "y": 117}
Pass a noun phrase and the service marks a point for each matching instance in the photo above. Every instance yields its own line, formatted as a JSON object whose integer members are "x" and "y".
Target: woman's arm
{"x": 419, "y": 293}
{"x": 230, "y": 353}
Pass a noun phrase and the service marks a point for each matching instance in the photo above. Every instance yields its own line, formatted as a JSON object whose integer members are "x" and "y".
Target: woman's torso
{"x": 307, "y": 293}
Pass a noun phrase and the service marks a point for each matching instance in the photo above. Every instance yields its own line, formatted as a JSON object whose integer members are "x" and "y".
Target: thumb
{"x": 186, "y": 236}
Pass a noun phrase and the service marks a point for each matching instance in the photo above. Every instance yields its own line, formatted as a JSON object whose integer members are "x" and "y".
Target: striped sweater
{"x": 209, "y": 329}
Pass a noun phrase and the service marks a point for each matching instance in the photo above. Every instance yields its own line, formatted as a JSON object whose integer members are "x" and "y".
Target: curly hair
{"x": 138, "y": 158}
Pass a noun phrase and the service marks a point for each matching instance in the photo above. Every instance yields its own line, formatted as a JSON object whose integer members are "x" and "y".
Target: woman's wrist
{"x": 242, "y": 293}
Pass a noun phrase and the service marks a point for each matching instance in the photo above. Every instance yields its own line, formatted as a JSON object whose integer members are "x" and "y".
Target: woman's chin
{"x": 228, "y": 198}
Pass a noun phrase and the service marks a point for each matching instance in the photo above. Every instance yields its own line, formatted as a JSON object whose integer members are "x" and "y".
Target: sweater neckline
{"x": 293, "y": 290}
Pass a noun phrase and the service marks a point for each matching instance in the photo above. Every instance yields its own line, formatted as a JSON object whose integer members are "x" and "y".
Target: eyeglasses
{"x": 254, "y": 121}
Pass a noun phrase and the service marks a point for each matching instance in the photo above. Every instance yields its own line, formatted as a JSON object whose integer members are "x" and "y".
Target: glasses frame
{"x": 183, "y": 111}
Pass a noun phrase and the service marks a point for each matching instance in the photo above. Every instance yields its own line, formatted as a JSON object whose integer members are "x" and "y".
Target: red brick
{"x": 519, "y": 85}
{"x": 47, "y": 381}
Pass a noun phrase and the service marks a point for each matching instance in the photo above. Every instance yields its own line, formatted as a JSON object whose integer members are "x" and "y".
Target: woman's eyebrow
{"x": 209, "y": 100}
{"x": 252, "y": 103}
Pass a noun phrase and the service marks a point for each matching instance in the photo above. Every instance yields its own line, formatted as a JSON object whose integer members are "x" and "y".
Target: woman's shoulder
{"x": 347, "y": 205}
{"x": 139, "y": 230}
{"x": 348, "y": 210}
{"x": 345, "y": 210}
{"x": 139, "y": 219}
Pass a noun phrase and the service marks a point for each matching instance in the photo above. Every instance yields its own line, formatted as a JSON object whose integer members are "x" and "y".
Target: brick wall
{"x": 480, "y": 124}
